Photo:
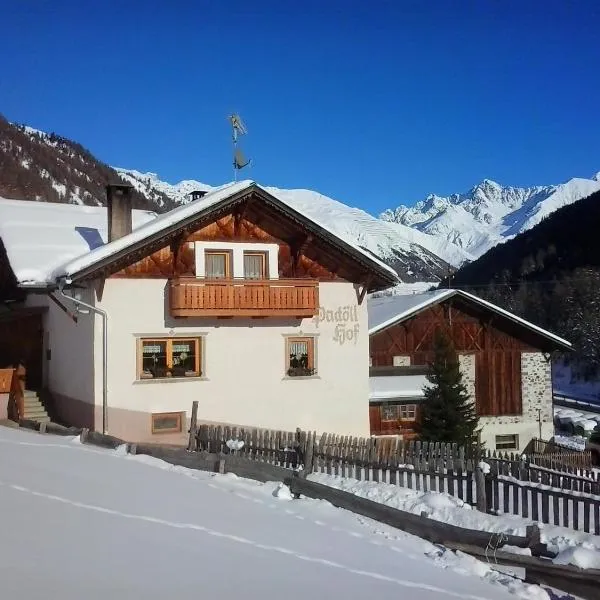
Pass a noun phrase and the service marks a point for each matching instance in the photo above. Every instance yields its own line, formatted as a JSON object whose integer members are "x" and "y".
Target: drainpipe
{"x": 104, "y": 316}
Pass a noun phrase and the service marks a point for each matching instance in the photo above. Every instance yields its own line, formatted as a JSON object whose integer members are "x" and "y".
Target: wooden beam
{"x": 238, "y": 216}
{"x": 363, "y": 291}
{"x": 99, "y": 285}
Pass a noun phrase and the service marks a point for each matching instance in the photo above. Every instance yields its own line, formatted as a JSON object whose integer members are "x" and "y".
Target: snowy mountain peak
{"x": 147, "y": 182}
{"x": 489, "y": 213}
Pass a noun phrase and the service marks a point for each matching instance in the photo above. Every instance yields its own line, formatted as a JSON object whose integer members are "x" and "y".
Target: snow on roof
{"x": 387, "y": 310}
{"x": 38, "y": 236}
{"x": 396, "y": 386}
{"x": 163, "y": 222}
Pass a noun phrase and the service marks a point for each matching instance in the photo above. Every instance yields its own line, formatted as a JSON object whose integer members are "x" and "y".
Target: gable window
{"x": 167, "y": 422}
{"x": 255, "y": 265}
{"x": 169, "y": 357}
{"x": 217, "y": 264}
{"x": 507, "y": 442}
{"x": 300, "y": 353}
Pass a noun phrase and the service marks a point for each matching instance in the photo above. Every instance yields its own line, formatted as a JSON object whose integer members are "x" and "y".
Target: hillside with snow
{"x": 420, "y": 242}
{"x": 83, "y": 521}
{"x": 489, "y": 213}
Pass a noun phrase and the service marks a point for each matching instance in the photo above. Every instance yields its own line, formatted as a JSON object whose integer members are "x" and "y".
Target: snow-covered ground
{"x": 80, "y": 521}
{"x": 571, "y": 545}
{"x": 578, "y": 423}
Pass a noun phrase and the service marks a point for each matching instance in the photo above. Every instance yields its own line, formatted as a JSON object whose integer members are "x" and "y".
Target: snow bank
{"x": 448, "y": 509}
{"x": 580, "y": 556}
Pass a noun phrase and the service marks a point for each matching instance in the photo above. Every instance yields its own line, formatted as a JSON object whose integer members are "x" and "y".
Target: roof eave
{"x": 557, "y": 341}
{"x": 384, "y": 278}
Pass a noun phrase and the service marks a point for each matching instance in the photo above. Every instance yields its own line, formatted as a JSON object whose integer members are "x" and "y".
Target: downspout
{"x": 104, "y": 316}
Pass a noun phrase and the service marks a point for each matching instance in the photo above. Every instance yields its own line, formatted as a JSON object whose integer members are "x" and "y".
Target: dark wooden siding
{"x": 498, "y": 383}
{"x": 302, "y": 258}
{"x": 497, "y": 350}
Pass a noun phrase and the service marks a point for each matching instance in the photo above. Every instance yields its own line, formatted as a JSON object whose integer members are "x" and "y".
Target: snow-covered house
{"x": 505, "y": 361}
{"x": 235, "y": 300}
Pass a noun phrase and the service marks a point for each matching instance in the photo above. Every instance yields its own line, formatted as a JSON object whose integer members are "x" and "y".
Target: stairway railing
{"x": 16, "y": 398}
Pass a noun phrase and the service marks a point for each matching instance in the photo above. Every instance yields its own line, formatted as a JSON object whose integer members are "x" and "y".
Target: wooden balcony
{"x": 193, "y": 297}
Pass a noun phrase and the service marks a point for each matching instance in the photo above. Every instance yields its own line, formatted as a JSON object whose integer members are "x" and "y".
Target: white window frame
{"x": 237, "y": 250}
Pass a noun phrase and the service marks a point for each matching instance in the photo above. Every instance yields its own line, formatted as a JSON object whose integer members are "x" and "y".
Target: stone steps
{"x": 33, "y": 408}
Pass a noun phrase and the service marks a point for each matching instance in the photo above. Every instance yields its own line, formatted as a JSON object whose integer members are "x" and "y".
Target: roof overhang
{"x": 382, "y": 276}
{"x": 555, "y": 341}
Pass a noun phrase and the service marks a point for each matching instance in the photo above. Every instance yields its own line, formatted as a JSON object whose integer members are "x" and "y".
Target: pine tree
{"x": 448, "y": 414}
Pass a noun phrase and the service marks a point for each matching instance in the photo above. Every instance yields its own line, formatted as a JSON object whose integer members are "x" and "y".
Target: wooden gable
{"x": 496, "y": 344}
{"x": 300, "y": 254}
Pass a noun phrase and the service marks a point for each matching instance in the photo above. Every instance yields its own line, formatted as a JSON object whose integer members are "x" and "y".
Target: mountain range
{"x": 421, "y": 242}
{"x": 489, "y": 213}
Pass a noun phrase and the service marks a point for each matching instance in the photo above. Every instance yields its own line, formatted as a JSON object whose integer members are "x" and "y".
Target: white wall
{"x": 244, "y": 379}
{"x": 70, "y": 371}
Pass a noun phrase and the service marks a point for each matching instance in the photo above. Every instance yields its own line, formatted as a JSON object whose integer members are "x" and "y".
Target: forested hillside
{"x": 47, "y": 167}
{"x": 550, "y": 275}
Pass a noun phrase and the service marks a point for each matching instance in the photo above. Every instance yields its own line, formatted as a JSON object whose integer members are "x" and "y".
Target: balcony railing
{"x": 194, "y": 297}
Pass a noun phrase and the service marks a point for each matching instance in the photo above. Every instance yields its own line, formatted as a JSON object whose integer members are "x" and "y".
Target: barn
{"x": 506, "y": 363}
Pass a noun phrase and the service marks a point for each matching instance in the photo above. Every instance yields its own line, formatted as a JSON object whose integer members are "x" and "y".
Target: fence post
{"x": 193, "y": 426}
{"x": 309, "y": 453}
{"x": 480, "y": 490}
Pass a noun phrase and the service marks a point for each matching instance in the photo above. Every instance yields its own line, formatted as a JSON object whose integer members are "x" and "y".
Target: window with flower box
{"x": 161, "y": 358}
{"x": 300, "y": 357}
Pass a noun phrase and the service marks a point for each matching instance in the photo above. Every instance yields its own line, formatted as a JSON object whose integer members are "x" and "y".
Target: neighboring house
{"x": 505, "y": 361}
{"x": 234, "y": 300}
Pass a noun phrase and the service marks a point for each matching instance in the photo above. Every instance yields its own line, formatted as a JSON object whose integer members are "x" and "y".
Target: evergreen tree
{"x": 448, "y": 413}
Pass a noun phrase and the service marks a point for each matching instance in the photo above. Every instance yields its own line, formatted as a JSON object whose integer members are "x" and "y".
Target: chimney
{"x": 197, "y": 194}
{"x": 118, "y": 204}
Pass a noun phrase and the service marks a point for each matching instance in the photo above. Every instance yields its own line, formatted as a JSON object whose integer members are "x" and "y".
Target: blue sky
{"x": 375, "y": 103}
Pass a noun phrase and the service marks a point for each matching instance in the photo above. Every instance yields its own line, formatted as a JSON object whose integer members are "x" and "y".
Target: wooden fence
{"x": 550, "y": 455}
{"x": 513, "y": 486}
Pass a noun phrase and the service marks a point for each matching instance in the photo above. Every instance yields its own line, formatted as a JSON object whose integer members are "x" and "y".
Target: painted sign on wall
{"x": 345, "y": 318}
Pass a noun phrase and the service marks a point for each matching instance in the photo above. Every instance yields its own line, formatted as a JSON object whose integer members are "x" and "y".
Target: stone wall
{"x": 536, "y": 386}
{"x": 467, "y": 368}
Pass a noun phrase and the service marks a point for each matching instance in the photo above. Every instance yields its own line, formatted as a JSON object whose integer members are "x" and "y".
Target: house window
{"x": 217, "y": 264}
{"x": 255, "y": 265}
{"x": 167, "y": 422}
{"x": 169, "y": 357}
{"x": 401, "y": 360}
{"x": 408, "y": 412}
{"x": 398, "y": 412}
{"x": 390, "y": 412}
{"x": 300, "y": 356}
{"x": 507, "y": 442}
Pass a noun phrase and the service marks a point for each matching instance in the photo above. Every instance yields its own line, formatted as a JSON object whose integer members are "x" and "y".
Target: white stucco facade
{"x": 244, "y": 378}
{"x": 68, "y": 361}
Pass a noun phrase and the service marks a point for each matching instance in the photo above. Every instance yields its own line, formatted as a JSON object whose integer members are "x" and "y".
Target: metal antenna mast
{"x": 238, "y": 128}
